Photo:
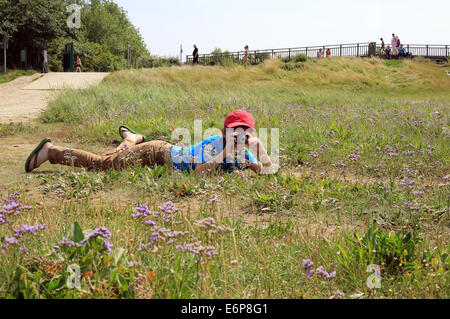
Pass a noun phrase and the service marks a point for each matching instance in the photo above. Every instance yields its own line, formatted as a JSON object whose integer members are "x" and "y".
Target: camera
{"x": 241, "y": 139}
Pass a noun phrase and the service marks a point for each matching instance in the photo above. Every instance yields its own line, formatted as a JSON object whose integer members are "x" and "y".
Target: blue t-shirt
{"x": 187, "y": 158}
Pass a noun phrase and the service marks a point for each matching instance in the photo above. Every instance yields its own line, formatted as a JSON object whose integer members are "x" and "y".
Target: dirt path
{"x": 23, "y": 99}
{"x": 17, "y": 104}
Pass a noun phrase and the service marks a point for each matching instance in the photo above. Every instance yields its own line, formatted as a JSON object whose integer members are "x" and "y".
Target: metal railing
{"x": 342, "y": 50}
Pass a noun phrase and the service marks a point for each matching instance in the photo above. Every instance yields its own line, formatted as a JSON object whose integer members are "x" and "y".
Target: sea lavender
{"x": 306, "y": 264}
{"x": 98, "y": 232}
{"x": 325, "y": 274}
{"x": 209, "y": 224}
{"x": 25, "y": 229}
{"x": 108, "y": 246}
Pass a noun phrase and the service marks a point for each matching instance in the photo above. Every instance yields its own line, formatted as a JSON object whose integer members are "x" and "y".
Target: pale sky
{"x": 263, "y": 24}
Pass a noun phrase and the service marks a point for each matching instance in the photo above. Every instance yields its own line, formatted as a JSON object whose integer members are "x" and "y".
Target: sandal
{"x": 123, "y": 128}
{"x": 35, "y": 152}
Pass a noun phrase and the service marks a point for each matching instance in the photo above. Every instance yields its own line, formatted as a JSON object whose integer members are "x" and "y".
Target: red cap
{"x": 239, "y": 118}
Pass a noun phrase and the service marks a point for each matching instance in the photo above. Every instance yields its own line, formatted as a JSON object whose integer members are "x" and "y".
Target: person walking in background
{"x": 397, "y": 42}
{"x": 394, "y": 44}
{"x": 195, "y": 55}
{"x": 328, "y": 53}
{"x": 78, "y": 64}
{"x": 43, "y": 62}
{"x": 246, "y": 54}
{"x": 382, "y": 46}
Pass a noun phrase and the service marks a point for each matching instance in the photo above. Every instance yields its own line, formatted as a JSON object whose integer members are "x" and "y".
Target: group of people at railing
{"x": 321, "y": 54}
{"x": 195, "y": 55}
{"x": 396, "y": 48}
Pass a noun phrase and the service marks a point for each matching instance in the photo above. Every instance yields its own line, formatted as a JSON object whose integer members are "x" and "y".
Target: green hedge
{"x": 94, "y": 57}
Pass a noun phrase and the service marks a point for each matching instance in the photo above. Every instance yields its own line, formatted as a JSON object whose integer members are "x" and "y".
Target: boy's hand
{"x": 253, "y": 141}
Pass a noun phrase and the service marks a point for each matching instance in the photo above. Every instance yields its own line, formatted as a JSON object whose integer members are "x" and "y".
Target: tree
{"x": 102, "y": 40}
{"x": 8, "y": 19}
{"x": 104, "y": 22}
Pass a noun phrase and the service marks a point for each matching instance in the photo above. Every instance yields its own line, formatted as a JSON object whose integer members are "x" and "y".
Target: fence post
{"x": 340, "y": 50}
{"x": 306, "y": 51}
{"x": 446, "y": 50}
{"x": 427, "y": 49}
{"x": 357, "y": 49}
{"x": 289, "y": 54}
{"x": 272, "y": 54}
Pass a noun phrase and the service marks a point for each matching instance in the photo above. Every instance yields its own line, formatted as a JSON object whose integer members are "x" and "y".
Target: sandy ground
{"x": 24, "y": 98}
{"x": 17, "y": 104}
{"x": 61, "y": 80}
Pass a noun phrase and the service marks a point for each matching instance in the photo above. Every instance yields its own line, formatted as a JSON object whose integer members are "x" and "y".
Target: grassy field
{"x": 364, "y": 180}
{"x": 12, "y": 75}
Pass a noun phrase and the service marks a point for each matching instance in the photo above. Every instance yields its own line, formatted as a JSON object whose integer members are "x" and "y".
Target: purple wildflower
{"x": 168, "y": 207}
{"x": 306, "y": 264}
{"x": 323, "y": 273}
{"x": 150, "y": 222}
{"x": 108, "y": 246}
{"x": 25, "y": 229}
{"x": 98, "y": 232}
{"x": 143, "y": 212}
{"x": 65, "y": 242}
{"x": 406, "y": 182}
{"x": 59, "y": 192}
{"x": 214, "y": 199}
{"x": 11, "y": 241}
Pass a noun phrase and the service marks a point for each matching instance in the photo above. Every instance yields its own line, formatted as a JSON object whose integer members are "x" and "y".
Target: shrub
{"x": 394, "y": 251}
{"x": 94, "y": 57}
{"x": 300, "y": 58}
{"x": 259, "y": 57}
{"x": 145, "y": 61}
{"x": 165, "y": 62}
{"x": 290, "y": 66}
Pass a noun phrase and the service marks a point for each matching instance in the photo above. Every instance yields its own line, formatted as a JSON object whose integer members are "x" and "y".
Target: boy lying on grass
{"x": 226, "y": 152}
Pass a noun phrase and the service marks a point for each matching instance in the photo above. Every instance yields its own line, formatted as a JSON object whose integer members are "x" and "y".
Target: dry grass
{"x": 408, "y": 77}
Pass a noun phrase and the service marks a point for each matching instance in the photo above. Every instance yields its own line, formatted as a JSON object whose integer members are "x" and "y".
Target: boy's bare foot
{"x": 135, "y": 138}
{"x": 42, "y": 157}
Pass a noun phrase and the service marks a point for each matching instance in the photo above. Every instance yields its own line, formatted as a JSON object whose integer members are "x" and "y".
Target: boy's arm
{"x": 212, "y": 166}
{"x": 265, "y": 165}
{"x": 206, "y": 168}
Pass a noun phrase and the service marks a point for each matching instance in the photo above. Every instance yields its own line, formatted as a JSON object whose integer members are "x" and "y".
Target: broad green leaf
{"x": 53, "y": 284}
{"x": 76, "y": 233}
{"x": 118, "y": 254}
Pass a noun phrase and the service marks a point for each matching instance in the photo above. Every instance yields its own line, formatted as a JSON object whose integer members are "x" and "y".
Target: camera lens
{"x": 242, "y": 138}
